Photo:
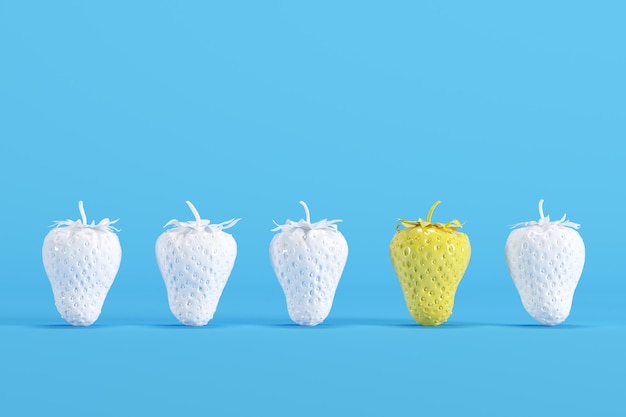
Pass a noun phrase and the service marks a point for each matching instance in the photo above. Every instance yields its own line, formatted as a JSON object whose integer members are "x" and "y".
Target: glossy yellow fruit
{"x": 430, "y": 260}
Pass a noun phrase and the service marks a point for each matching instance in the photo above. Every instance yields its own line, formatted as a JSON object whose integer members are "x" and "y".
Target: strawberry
{"x": 545, "y": 259}
{"x": 195, "y": 259}
{"x": 429, "y": 260}
{"x": 81, "y": 261}
{"x": 308, "y": 260}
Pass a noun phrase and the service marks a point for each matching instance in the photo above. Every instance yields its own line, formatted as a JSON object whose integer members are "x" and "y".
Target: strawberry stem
{"x": 82, "y": 212}
{"x": 194, "y": 211}
{"x": 541, "y": 216}
{"x": 430, "y": 213}
{"x": 306, "y": 212}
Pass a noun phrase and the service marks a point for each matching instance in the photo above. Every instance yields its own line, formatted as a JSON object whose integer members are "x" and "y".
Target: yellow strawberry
{"x": 430, "y": 260}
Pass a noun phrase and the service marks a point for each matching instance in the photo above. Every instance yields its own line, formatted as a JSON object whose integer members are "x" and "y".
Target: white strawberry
{"x": 81, "y": 261}
{"x": 195, "y": 259}
{"x": 545, "y": 260}
{"x": 308, "y": 259}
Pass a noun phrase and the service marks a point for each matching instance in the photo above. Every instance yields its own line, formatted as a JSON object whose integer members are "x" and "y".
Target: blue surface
{"x": 368, "y": 112}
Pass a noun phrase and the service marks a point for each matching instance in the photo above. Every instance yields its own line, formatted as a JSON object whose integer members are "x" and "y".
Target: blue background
{"x": 368, "y": 111}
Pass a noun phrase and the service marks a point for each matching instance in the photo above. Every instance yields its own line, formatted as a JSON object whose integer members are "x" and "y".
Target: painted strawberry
{"x": 545, "y": 259}
{"x": 81, "y": 261}
{"x": 308, "y": 259}
{"x": 429, "y": 260}
{"x": 195, "y": 259}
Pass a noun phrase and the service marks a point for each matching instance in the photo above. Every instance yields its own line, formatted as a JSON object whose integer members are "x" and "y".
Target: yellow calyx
{"x": 447, "y": 227}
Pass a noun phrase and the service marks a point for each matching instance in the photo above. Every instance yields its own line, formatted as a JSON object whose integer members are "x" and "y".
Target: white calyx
{"x": 306, "y": 223}
{"x": 105, "y": 224}
{"x": 201, "y": 224}
{"x": 545, "y": 223}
